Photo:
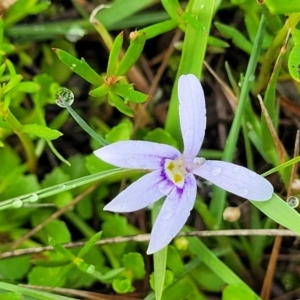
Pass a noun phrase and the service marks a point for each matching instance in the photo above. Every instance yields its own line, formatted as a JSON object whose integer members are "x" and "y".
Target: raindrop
{"x": 236, "y": 169}
{"x": 91, "y": 269}
{"x": 188, "y": 133}
{"x": 216, "y": 171}
{"x": 133, "y": 162}
{"x": 166, "y": 216}
{"x": 252, "y": 77}
{"x": 201, "y": 6}
{"x": 63, "y": 96}
{"x": 252, "y": 174}
{"x": 62, "y": 186}
{"x": 243, "y": 192}
{"x": 292, "y": 201}
{"x": 199, "y": 161}
{"x": 16, "y": 203}
{"x": 33, "y": 198}
{"x": 75, "y": 33}
{"x": 73, "y": 66}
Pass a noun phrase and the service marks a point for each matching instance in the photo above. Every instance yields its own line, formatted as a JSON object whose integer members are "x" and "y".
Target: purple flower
{"x": 171, "y": 173}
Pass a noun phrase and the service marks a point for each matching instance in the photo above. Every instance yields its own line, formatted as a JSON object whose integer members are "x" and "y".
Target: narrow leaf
{"x": 79, "y": 66}
{"x": 89, "y": 244}
{"x": 114, "y": 54}
{"x": 279, "y": 211}
{"x": 127, "y": 92}
{"x": 133, "y": 53}
{"x": 41, "y": 131}
{"x": 237, "y": 38}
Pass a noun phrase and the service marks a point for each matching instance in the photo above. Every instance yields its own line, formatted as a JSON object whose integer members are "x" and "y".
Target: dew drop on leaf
{"x": 292, "y": 201}
{"x": 63, "y": 96}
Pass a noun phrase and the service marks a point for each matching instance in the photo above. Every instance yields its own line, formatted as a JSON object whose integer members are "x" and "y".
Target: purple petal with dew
{"x": 192, "y": 114}
{"x": 146, "y": 190}
{"x": 236, "y": 179}
{"x": 173, "y": 215}
{"x": 137, "y": 154}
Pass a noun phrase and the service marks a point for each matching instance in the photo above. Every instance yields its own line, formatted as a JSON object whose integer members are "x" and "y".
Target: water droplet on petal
{"x": 64, "y": 96}
{"x": 199, "y": 161}
{"x": 236, "y": 169}
{"x": 188, "y": 133}
{"x": 166, "y": 216}
{"x": 252, "y": 174}
{"x": 216, "y": 171}
{"x": 162, "y": 187}
{"x": 292, "y": 201}
{"x": 132, "y": 162}
{"x": 243, "y": 192}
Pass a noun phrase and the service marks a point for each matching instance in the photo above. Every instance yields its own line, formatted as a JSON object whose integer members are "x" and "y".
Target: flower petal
{"x": 146, "y": 190}
{"x": 137, "y": 154}
{"x": 192, "y": 114}
{"x": 173, "y": 214}
{"x": 236, "y": 179}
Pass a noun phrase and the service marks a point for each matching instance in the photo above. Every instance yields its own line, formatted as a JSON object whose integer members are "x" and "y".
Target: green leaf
{"x": 28, "y": 87}
{"x": 100, "y": 91}
{"x": 283, "y": 6}
{"x": 113, "y": 58}
{"x": 15, "y": 80}
{"x": 12, "y": 296}
{"x": 122, "y": 286}
{"x": 47, "y": 276}
{"x": 280, "y": 212}
{"x": 51, "y": 263}
{"x": 51, "y": 63}
{"x": 89, "y": 244}
{"x": 238, "y": 38}
{"x": 127, "y": 92}
{"x": 237, "y": 292}
{"x": 162, "y": 136}
{"x": 60, "y": 249}
{"x": 42, "y": 131}
{"x": 116, "y": 101}
{"x": 135, "y": 263}
{"x": 30, "y": 293}
{"x": 120, "y": 132}
{"x": 294, "y": 57}
{"x": 80, "y": 67}
{"x": 14, "y": 268}
{"x": 132, "y": 54}
{"x": 109, "y": 276}
{"x": 160, "y": 259}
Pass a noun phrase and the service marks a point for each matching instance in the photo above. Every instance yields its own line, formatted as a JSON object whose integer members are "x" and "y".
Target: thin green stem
{"x": 218, "y": 201}
{"x": 17, "y": 127}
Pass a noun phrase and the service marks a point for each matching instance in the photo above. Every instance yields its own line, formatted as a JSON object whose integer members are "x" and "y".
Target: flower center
{"x": 176, "y": 171}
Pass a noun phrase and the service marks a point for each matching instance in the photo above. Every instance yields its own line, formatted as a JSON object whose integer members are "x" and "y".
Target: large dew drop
{"x": 64, "y": 97}
{"x": 292, "y": 201}
{"x": 216, "y": 171}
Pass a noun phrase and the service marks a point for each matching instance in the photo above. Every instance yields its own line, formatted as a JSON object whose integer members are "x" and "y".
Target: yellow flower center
{"x": 175, "y": 170}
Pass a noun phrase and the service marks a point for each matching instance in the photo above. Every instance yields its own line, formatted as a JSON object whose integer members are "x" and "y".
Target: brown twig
{"x": 53, "y": 216}
{"x": 146, "y": 237}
